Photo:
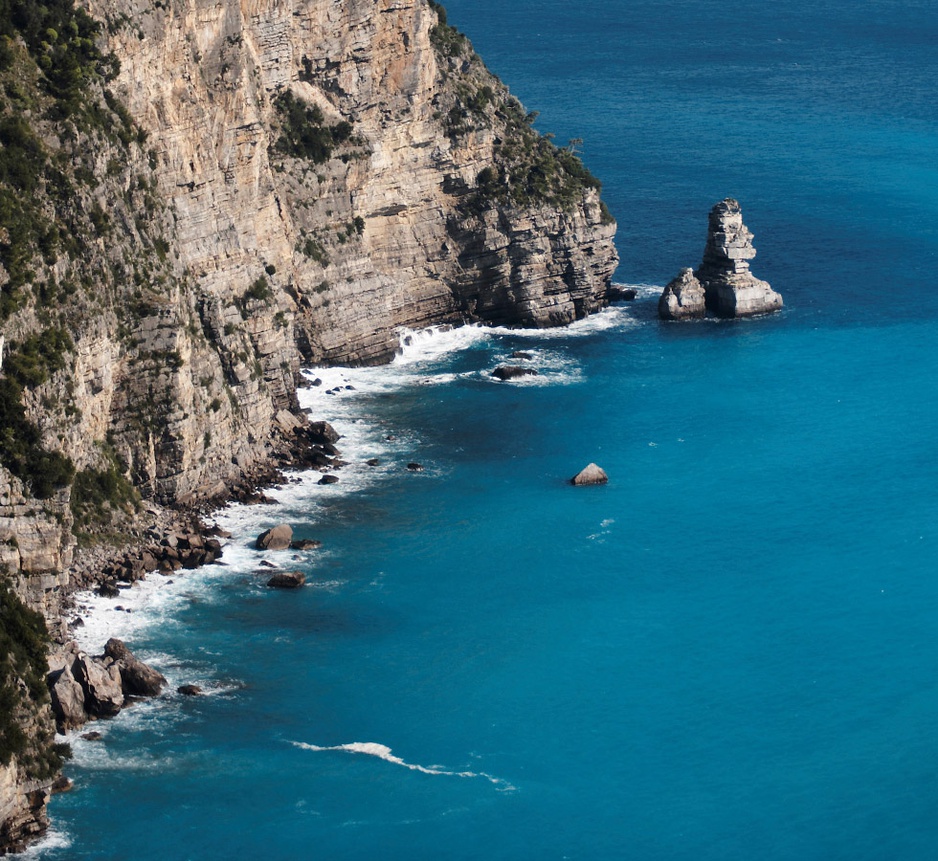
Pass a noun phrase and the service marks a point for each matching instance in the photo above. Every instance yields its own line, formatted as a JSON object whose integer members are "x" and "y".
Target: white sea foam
{"x": 53, "y": 840}
{"x": 381, "y": 751}
{"x": 341, "y": 398}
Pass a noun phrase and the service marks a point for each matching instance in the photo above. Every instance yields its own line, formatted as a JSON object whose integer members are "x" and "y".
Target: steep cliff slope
{"x": 196, "y": 198}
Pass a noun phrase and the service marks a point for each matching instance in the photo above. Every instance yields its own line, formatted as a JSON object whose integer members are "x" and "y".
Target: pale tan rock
{"x": 683, "y": 298}
{"x": 277, "y": 538}
{"x": 590, "y": 474}
{"x": 731, "y": 289}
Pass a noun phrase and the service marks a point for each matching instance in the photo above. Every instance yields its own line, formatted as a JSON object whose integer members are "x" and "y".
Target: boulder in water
{"x": 278, "y": 538}
{"x": 512, "y": 372}
{"x": 287, "y": 580}
{"x": 590, "y": 474}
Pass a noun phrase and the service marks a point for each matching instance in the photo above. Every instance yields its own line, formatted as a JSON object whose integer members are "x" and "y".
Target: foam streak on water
{"x": 381, "y": 751}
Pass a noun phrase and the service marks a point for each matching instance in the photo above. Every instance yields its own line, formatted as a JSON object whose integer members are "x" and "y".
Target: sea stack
{"x": 730, "y": 289}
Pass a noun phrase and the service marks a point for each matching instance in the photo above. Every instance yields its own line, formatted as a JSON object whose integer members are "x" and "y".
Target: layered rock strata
{"x": 252, "y": 186}
{"x": 729, "y": 289}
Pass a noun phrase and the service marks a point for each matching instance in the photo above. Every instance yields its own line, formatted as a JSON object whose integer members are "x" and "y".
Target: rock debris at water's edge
{"x": 723, "y": 284}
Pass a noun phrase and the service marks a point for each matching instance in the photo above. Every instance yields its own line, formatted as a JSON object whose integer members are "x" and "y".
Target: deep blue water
{"x": 729, "y": 652}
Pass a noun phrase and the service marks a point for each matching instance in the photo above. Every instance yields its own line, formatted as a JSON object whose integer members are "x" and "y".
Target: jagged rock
{"x": 683, "y": 298}
{"x": 731, "y": 289}
{"x": 305, "y": 544}
{"x": 137, "y": 678}
{"x": 278, "y": 538}
{"x": 591, "y": 474}
{"x": 189, "y": 690}
{"x": 61, "y": 784}
{"x": 68, "y": 700}
{"x": 323, "y": 433}
{"x": 213, "y": 550}
{"x": 617, "y": 293}
{"x": 94, "y": 735}
{"x": 372, "y": 461}
{"x": 108, "y": 589}
{"x": 415, "y": 467}
{"x": 511, "y": 372}
{"x": 329, "y": 479}
{"x": 287, "y": 580}
{"x": 104, "y": 692}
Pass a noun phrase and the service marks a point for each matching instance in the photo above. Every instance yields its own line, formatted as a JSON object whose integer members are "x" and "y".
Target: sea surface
{"x": 727, "y": 653}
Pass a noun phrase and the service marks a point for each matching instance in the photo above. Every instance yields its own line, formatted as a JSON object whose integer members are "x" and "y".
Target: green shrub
{"x": 21, "y": 449}
{"x": 98, "y": 493}
{"x": 303, "y": 132}
{"x": 23, "y": 647}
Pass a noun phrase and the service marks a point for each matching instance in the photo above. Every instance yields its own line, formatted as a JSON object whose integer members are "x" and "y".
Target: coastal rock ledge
{"x": 723, "y": 284}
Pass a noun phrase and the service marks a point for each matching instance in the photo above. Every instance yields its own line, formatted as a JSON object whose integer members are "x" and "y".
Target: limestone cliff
{"x": 236, "y": 189}
{"x": 196, "y": 198}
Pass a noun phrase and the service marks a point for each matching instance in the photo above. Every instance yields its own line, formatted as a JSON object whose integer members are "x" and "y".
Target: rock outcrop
{"x": 278, "y": 537}
{"x": 590, "y": 474}
{"x": 729, "y": 288}
{"x": 85, "y": 687}
{"x": 287, "y": 580}
{"x": 684, "y": 298}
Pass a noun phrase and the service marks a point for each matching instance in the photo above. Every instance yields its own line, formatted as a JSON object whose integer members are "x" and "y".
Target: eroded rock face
{"x": 137, "y": 678}
{"x": 723, "y": 284}
{"x": 22, "y": 808}
{"x": 731, "y": 289}
{"x": 683, "y": 298}
{"x": 101, "y": 683}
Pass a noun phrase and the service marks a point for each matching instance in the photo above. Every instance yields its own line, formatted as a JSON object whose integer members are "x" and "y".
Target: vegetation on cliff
{"x": 528, "y": 168}
{"x": 25, "y": 727}
{"x": 304, "y": 132}
{"x": 66, "y": 228}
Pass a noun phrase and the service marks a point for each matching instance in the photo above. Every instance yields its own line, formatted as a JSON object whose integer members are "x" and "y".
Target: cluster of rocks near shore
{"x": 85, "y": 688}
{"x": 722, "y": 284}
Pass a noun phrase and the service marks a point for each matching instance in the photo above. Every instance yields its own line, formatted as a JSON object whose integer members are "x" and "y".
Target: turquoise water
{"x": 726, "y": 653}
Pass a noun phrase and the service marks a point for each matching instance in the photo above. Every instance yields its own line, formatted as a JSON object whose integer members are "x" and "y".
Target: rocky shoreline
{"x": 157, "y": 541}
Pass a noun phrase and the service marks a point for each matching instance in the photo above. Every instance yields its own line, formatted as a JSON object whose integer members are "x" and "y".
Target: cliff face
{"x": 376, "y": 235}
{"x": 257, "y": 185}
{"x": 262, "y": 184}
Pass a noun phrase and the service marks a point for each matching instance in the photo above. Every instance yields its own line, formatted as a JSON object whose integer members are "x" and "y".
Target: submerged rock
{"x": 189, "y": 690}
{"x": 511, "y": 372}
{"x": 590, "y": 474}
{"x": 278, "y": 538}
{"x": 305, "y": 544}
{"x": 617, "y": 293}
